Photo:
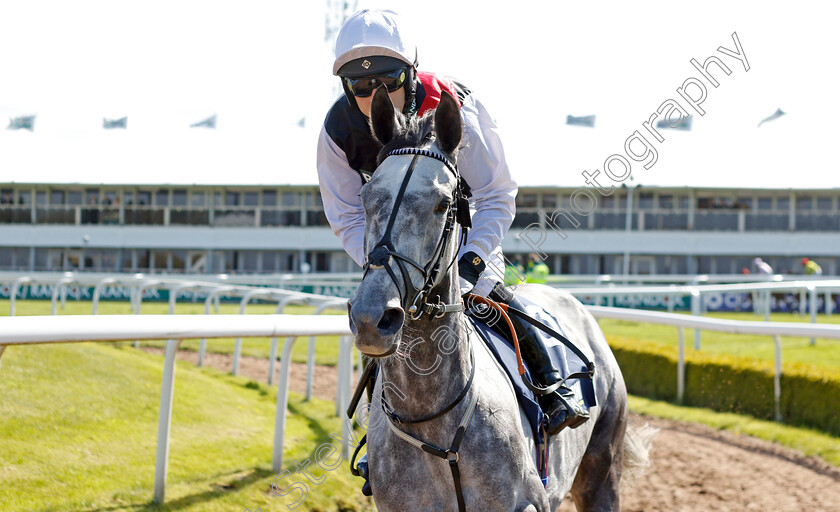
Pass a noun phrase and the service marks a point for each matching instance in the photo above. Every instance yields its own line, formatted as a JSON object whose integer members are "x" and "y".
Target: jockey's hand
{"x": 470, "y": 267}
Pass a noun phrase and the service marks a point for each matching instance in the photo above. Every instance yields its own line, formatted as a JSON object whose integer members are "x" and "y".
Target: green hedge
{"x": 810, "y": 394}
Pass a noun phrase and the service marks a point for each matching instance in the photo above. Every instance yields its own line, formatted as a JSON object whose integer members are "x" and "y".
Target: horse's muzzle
{"x": 376, "y": 330}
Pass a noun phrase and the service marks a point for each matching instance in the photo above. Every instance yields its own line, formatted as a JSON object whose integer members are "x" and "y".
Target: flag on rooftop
{"x": 210, "y": 122}
{"x": 777, "y": 114}
{"x": 109, "y": 124}
{"x": 22, "y": 123}
{"x": 684, "y": 124}
{"x": 581, "y": 121}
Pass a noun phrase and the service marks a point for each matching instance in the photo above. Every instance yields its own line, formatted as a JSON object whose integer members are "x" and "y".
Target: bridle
{"x": 414, "y": 300}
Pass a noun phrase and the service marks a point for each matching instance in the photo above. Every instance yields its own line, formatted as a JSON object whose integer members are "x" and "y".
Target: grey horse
{"x": 435, "y": 374}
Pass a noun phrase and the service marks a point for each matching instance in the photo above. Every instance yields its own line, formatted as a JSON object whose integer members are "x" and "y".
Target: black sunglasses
{"x": 364, "y": 86}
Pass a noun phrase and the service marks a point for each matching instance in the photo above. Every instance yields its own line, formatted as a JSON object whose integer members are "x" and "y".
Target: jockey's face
{"x": 397, "y": 98}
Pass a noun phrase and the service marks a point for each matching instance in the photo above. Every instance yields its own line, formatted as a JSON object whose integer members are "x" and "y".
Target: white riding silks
{"x": 482, "y": 164}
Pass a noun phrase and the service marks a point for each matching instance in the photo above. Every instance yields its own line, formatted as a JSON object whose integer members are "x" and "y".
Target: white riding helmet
{"x": 372, "y": 33}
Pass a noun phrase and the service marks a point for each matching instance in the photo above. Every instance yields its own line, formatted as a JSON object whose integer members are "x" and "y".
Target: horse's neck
{"x": 432, "y": 366}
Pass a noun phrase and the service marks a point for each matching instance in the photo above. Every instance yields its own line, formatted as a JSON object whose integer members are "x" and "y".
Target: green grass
{"x": 326, "y": 347}
{"x": 78, "y": 425}
{"x": 826, "y": 352}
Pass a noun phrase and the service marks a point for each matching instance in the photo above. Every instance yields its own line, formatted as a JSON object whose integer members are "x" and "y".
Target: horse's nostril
{"x": 391, "y": 321}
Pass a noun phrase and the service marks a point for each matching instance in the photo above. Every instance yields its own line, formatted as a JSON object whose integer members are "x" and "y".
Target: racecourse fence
{"x": 21, "y": 331}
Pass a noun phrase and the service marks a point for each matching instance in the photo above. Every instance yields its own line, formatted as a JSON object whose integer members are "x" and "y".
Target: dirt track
{"x": 694, "y": 468}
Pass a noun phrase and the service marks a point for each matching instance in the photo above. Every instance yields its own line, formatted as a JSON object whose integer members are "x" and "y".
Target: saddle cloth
{"x": 564, "y": 360}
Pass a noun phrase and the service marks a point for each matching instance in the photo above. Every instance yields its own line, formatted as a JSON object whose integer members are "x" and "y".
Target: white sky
{"x": 263, "y": 65}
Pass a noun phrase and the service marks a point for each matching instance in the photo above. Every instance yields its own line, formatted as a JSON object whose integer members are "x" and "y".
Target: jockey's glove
{"x": 470, "y": 267}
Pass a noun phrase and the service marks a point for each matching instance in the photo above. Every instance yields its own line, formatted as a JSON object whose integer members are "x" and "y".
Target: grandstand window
{"x": 109, "y": 260}
{"x": 162, "y": 197}
{"x": 24, "y": 197}
{"x": 804, "y": 203}
{"x": 56, "y": 197}
{"x": 144, "y": 198}
{"x": 7, "y": 196}
{"x": 232, "y": 198}
{"x": 40, "y": 198}
{"x": 684, "y": 202}
{"x": 783, "y": 204}
{"x": 608, "y": 202}
{"x": 111, "y": 198}
{"x": 92, "y": 196}
{"x": 269, "y": 198}
{"x": 197, "y": 200}
{"x": 248, "y": 262}
{"x": 41, "y": 259}
{"x": 251, "y": 198}
{"x": 744, "y": 203}
{"x": 128, "y": 197}
{"x": 313, "y": 199}
{"x": 74, "y": 197}
{"x": 526, "y": 200}
{"x": 179, "y": 197}
{"x": 646, "y": 201}
{"x": 825, "y": 203}
{"x": 289, "y": 198}
{"x": 549, "y": 200}
{"x": 765, "y": 203}
{"x": 666, "y": 202}
{"x": 6, "y": 258}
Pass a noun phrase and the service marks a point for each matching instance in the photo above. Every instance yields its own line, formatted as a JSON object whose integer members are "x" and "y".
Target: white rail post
{"x": 681, "y": 367}
{"x": 777, "y": 378}
{"x": 272, "y": 357}
{"x": 282, "y": 404}
{"x": 829, "y": 306}
{"x": 802, "y": 302}
{"x": 237, "y": 344}
{"x": 343, "y": 395}
{"x": 167, "y": 391}
{"x": 97, "y": 292}
{"x": 768, "y": 304}
{"x": 14, "y": 291}
{"x": 696, "y": 298}
{"x": 813, "y": 306}
{"x": 671, "y": 299}
{"x": 202, "y": 344}
{"x": 310, "y": 358}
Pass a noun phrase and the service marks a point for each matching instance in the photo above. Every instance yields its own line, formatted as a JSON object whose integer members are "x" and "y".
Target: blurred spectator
{"x": 514, "y": 272}
{"x": 537, "y": 271}
{"x": 811, "y": 267}
{"x": 762, "y": 268}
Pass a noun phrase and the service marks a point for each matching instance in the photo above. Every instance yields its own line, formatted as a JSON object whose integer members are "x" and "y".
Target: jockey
{"x": 373, "y": 50}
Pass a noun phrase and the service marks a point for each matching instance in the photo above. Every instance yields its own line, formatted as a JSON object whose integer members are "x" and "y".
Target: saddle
{"x": 573, "y": 365}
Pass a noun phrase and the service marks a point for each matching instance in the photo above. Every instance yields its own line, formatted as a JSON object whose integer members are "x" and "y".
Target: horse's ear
{"x": 448, "y": 123}
{"x": 383, "y": 120}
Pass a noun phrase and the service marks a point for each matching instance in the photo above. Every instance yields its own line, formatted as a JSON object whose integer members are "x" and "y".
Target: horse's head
{"x": 410, "y": 222}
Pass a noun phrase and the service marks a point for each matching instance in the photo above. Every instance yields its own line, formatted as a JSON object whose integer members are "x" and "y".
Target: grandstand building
{"x": 269, "y": 229}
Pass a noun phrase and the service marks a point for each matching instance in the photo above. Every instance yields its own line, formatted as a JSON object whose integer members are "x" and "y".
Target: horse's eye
{"x": 442, "y": 207}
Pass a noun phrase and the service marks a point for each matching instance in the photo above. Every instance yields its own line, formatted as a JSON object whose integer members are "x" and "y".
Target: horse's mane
{"x": 413, "y": 132}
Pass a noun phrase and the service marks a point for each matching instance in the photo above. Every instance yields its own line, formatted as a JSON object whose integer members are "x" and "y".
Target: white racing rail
{"x": 32, "y": 330}
{"x": 774, "y": 329}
